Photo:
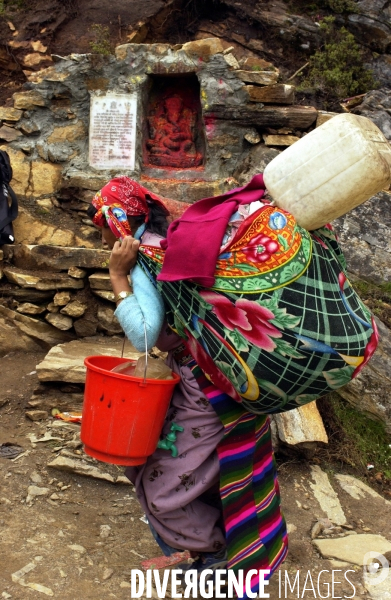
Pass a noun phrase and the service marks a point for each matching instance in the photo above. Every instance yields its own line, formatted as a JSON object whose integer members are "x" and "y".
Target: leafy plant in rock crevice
{"x": 101, "y": 44}
{"x": 341, "y": 6}
{"x": 336, "y": 69}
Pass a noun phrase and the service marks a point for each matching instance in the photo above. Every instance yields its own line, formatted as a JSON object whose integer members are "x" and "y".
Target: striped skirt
{"x": 255, "y": 527}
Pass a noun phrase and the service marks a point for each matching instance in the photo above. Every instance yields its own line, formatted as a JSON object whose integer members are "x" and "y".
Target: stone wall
{"x": 47, "y": 129}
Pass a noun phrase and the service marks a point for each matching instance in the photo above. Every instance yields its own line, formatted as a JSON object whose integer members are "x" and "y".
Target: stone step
{"x": 256, "y": 115}
{"x": 35, "y": 329}
{"x": 57, "y": 258}
{"x": 65, "y": 362}
{"x": 44, "y": 281}
{"x": 258, "y": 77}
{"x": 280, "y": 93}
{"x": 301, "y": 425}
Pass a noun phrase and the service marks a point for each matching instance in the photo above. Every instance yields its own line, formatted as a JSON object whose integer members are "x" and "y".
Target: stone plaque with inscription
{"x": 113, "y": 131}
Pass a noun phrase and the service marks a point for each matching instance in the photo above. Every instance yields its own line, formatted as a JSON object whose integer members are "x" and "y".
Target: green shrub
{"x": 337, "y": 69}
{"x": 376, "y": 297}
{"x": 362, "y": 439}
{"x": 101, "y": 44}
{"x": 335, "y": 6}
{"x": 18, "y": 4}
{"x": 342, "y": 6}
{"x": 338, "y": 7}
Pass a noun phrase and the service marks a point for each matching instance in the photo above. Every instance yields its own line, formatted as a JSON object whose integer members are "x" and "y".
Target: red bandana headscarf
{"x": 120, "y": 198}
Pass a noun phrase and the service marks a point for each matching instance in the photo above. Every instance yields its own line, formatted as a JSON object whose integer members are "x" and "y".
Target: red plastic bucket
{"x": 122, "y": 416}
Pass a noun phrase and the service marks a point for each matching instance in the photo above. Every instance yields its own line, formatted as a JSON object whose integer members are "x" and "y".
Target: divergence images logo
{"x": 376, "y": 568}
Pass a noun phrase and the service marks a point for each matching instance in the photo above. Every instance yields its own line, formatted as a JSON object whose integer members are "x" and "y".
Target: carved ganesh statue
{"x": 172, "y": 131}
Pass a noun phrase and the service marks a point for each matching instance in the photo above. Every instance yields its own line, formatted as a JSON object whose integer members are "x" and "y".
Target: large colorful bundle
{"x": 282, "y": 325}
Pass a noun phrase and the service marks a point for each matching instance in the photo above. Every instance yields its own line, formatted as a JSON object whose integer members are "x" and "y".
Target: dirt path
{"x": 84, "y": 536}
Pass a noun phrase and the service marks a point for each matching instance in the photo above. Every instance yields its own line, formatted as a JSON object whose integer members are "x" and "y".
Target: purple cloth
{"x": 176, "y": 493}
{"x": 193, "y": 241}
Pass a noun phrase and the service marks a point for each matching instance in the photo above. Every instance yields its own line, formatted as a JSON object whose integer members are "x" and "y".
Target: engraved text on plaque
{"x": 113, "y": 131}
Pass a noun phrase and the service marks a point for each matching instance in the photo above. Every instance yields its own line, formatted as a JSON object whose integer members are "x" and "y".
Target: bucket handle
{"x": 144, "y": 383}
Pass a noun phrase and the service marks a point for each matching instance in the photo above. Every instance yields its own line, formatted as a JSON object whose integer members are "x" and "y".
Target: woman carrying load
{"x": 257, "y": 316}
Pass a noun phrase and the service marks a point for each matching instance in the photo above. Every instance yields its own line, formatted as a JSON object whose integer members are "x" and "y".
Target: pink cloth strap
{"x": 193, "y": 241}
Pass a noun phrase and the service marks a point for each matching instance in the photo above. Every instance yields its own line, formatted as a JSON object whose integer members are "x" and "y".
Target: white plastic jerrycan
{"x": 330, "y": 171}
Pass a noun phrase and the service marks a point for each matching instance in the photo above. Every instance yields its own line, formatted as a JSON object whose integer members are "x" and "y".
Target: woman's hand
{"x": 123, "y": 257}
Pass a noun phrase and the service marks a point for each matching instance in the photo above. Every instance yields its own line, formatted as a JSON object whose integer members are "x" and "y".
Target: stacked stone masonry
{"x": 235, "y": 109}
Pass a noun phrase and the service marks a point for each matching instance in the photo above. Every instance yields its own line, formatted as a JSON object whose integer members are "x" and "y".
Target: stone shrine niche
{"x": 174, "y": 135}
